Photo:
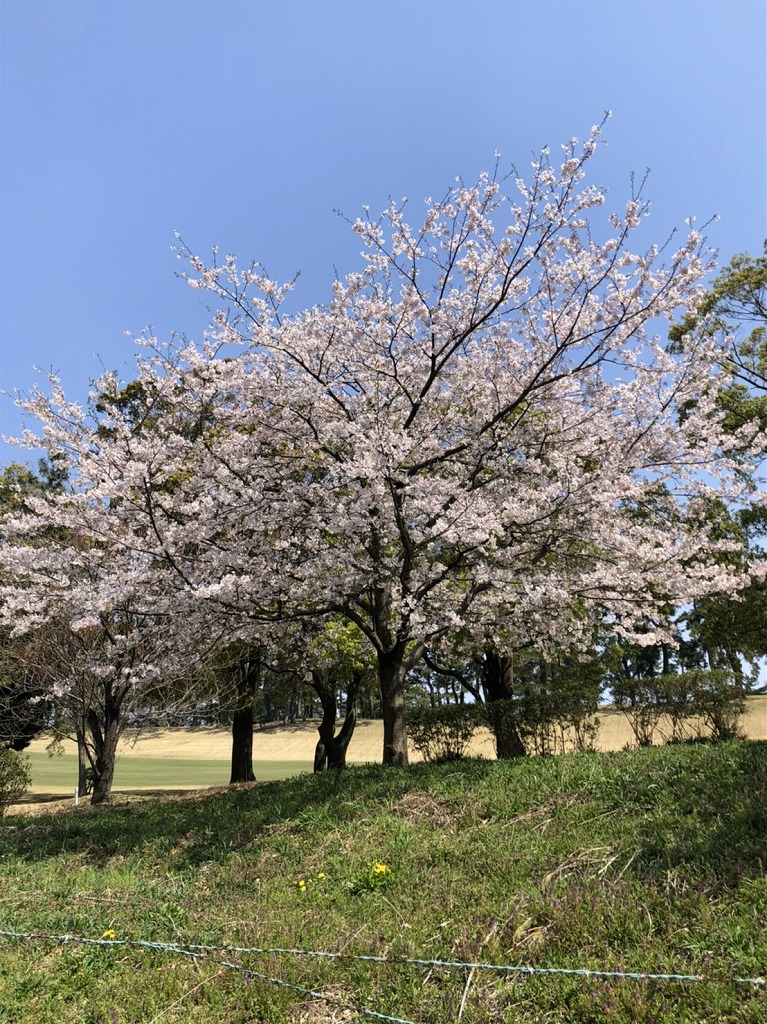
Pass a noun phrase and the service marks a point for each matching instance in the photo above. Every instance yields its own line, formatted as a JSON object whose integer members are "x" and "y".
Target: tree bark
{"x": 331, "y": 748}
{"x": 248, "y": 677}
{"x": 82, "y": 762}
{"x": 391, "y": 678}
{"x": 105, "y": 732}
{"x": 320, "y": 757}
{"x": 498, "y": 684}
{"x": 242, "y": 746}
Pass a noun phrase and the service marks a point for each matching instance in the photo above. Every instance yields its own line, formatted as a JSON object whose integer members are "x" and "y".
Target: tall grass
{"x": 649, "y": 861}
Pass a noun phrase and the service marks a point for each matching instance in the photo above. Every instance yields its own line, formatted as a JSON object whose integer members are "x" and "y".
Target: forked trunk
{"x": 331, "y": 748}
{"x": 105, "y": 733}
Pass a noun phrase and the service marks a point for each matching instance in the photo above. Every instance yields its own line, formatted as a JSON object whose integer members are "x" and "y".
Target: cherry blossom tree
{"x": 481, "y": 430}
{"x": 100, "y": 640}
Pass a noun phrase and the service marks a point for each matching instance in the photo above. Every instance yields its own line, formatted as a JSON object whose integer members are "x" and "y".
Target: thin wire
{"x": 199, "y": 953}
{"x": 503, "y": 968}
{"x": 194, "y": 950}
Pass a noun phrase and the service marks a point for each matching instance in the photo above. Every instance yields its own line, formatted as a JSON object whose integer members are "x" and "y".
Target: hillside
{"x": 416, "y": 883}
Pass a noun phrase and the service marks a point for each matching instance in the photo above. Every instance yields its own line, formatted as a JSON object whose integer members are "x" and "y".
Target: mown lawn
{"x": 58, "y": 774}
{"x": 645, "y": 861}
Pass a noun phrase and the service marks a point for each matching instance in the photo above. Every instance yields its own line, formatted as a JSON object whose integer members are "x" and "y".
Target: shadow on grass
{"x": 30, "y": 799}
{"x": 211, "y": 823}
{"x": 701, "y": 809}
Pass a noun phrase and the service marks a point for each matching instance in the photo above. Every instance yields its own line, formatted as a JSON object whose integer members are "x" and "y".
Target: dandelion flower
{"x": 109, "y": 934}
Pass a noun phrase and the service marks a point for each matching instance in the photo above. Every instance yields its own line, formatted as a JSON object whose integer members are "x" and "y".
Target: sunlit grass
{"x": 648, "y": 861}
{"x": 58, "y": 774}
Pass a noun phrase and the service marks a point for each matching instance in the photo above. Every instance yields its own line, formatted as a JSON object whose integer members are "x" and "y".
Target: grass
{"x": 195, "y": 758}
{"x": 58, "y": 774}
{"x": 649, "y": 861}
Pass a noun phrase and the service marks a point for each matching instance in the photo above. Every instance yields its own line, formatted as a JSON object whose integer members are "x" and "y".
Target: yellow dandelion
{"x": 321, "y": 874}
{"x": 380, "y": 869}
{"x": 109, "y": 934}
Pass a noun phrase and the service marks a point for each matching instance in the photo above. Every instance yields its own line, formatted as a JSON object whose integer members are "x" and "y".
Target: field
{"x": 420, "y": 883}
{"x": 198, "y": 758}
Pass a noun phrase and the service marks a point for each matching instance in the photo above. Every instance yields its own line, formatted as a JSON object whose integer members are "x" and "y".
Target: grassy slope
{"x": 649, "y": 860}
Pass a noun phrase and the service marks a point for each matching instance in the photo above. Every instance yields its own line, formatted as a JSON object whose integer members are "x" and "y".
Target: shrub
{"x": 552, "y": 721}
{"x": 551, "y": 717}
{"x": 14, "y": 777}
{"x": 700, "y": 704}
{"x": 536, "y": 718}
{"x": 719, "y": 700}
{"x": 443, "y": 733}
{"x": 639, "y": 701}
{"x": 675, "y": 701}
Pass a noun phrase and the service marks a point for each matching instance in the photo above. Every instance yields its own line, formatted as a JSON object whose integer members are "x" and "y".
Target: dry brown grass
{"x": 296, "y": 742}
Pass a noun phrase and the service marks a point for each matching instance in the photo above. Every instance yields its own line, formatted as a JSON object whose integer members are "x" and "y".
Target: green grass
{"x": 58, "y": 774}
{"x": 651, "y": 860}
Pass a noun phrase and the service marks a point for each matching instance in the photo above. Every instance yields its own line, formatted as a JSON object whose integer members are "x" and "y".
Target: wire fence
{"x": 218, "y": 955}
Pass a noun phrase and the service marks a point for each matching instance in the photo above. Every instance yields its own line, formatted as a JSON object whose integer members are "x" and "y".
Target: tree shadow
{"x": 702, "y": 809}
{"x": 206, "y": 824}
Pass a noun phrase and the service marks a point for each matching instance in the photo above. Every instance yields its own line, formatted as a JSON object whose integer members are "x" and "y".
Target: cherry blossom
{"x": 483, "y": 429}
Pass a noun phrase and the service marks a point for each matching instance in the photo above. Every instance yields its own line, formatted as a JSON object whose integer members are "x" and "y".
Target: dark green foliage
{"x": 548, "y": 723}
{"x": 553, "y": 706}
{"x": 23, "y": 714}
{"x": 718, "y": 699}
{"x": 14, "y": 777}
{"x": 736, "y": 304}
{"x": 444, "y": 733}
{"x": 639, "y": 699}
{"x": 18, "y": 483}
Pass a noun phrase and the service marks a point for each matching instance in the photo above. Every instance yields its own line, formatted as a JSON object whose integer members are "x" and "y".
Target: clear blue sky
{"x": 244, "y": 123}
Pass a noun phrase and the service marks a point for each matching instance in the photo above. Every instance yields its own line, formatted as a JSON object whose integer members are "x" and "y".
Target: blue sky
{"x": 244, "y": 124}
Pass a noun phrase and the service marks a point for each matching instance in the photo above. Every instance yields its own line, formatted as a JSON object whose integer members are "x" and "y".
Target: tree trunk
{"x": 337, "y": 750}
{"x": 498, "y": 684}
{"x": 327, "y": 726}
{"x": 242, "y": 746}
{"x": 320, "y": 757}
{"x": 735, "y": 665}
{"x": 82, "y": 762}
{"x": 105, "y": 733}
{"x": 391, "y": 678}
{"x": 248, "y": 677}
{"x": 331, "y": 748}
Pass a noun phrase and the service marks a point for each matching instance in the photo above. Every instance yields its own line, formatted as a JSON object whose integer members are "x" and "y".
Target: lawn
{"x": 648, "y": 861}
{"x": 58, "y": 774}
